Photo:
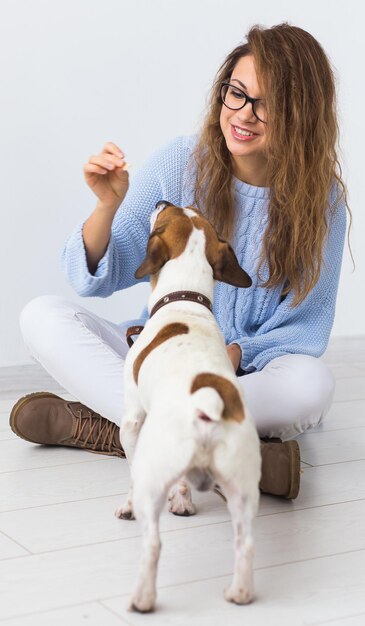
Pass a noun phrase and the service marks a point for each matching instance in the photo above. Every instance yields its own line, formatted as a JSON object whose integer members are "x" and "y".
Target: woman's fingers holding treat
{"x": 106, "y": 174}
{"x": 106, "y": 161}
{"x": 111, "y": 148}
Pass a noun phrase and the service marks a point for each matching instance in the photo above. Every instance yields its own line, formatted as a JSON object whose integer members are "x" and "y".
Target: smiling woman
{"x": 292, "y": 151}
{"x": 264, "y": 170}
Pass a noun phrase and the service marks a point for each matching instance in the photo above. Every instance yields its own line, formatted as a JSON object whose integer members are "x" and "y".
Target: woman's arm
{"x": 160, "y": 178}
{"x": 96, "y": 235}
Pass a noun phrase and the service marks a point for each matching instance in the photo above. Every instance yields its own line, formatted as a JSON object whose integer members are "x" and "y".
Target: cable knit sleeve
{"x": 306, "y": 328}
{"x": 159, "y": 179}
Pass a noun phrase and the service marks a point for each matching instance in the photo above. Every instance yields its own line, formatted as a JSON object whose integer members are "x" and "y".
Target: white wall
{"x": 66, "y": 74}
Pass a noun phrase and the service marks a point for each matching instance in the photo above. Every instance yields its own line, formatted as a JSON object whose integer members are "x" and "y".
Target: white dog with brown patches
{"x": 181, "y": 387}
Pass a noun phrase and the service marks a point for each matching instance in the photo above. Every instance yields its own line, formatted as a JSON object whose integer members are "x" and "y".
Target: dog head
{"x": 171, "y": 227}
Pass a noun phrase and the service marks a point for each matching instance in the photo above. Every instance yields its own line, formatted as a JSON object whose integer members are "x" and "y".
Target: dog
{"x": 185, "y": 419}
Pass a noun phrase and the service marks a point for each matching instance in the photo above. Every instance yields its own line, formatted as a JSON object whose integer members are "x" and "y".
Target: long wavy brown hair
{"x": 298, "y": 85}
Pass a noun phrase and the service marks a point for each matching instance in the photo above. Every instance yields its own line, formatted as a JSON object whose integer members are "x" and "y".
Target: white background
{"x": 67, "y": 70}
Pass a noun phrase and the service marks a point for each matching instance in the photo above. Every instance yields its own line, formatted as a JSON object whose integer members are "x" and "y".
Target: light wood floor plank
{"x": 279, "y": 538}
{"x": 293, "y": 595}
{"x": 348, "y": 389}
{"x": 9, "y": 548}
{"x": 65, "y": 483}
{"x": 343, "y": 416}
{"x": 99, "y": 571}
{"x": 17, "y": 455}
{"x": 70, "y": 520}
{"x": 348, "y": 620}
{"x": 336, "y": 446}
{"x": 93, "y": 614}
{"x": 7, "y": 434}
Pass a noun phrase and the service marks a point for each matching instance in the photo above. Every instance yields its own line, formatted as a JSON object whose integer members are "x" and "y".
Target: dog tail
{"x": 216, "y": 397}
{"x": 207, "y": 404}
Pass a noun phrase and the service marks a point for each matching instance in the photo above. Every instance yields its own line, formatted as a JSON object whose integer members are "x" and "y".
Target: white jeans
{"x": 85, "y": 354}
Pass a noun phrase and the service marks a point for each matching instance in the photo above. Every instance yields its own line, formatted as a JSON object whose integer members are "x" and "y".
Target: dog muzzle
{"x": 160, "y": 206}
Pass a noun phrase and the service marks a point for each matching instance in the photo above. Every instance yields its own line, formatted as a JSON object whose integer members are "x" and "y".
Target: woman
{"x": 264, "y": 170}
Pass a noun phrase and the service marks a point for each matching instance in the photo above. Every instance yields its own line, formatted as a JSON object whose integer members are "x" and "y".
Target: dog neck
{"x": 188, "y": 272}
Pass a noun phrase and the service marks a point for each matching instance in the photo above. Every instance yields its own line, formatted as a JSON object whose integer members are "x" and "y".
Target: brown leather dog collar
{"x": 175, "y": 296}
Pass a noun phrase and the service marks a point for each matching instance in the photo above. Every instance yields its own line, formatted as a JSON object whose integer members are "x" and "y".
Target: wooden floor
{"x": 65, "y": 558}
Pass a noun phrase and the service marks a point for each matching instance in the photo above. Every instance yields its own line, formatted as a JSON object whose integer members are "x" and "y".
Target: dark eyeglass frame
{"x": 247, "y": 99}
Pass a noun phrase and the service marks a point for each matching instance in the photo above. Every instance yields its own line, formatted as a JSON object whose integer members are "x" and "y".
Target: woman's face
{"x": 233, "y": 122}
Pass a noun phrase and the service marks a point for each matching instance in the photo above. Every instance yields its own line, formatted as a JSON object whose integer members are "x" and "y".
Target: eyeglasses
{"x": 234, "y": 98}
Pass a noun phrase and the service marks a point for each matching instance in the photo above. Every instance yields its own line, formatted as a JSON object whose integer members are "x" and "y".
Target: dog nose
{"x": 162, "y": 204}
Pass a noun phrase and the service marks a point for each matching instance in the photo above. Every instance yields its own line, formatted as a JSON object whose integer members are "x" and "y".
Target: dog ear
{"x": 156, "y": 256}
{"x": 226, "y": 267}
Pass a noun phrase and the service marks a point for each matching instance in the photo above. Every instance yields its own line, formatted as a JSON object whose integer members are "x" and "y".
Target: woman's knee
{"x": 291, "y": 394}
{"x": 310, "y": 391}
{"x": 317, "y": 384}
{"x": 39, "y": 314}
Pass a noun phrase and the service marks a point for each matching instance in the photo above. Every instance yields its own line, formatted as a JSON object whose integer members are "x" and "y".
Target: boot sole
{"x": 294, "y": 452}
{"x": 21, "y": 402}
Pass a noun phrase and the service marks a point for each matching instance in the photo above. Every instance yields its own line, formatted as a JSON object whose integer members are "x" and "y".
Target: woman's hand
{"x": 235, "y": 355}
{"x": 107, "y": 177}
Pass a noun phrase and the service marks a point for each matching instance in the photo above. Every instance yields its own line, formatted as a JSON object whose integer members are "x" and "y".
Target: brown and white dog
{"x": 180, "y": 386}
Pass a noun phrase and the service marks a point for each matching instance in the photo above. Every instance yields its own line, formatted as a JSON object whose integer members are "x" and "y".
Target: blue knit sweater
{"x": 258, "y": 319}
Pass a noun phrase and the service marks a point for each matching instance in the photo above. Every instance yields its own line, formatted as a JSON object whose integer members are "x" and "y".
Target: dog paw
{"x": 180, "y": 500}
{"x": 142, "y": 602}
{"x": 125, "y": 512}
{"x": 238, "y": 595}
{"x": 182, "y": 508}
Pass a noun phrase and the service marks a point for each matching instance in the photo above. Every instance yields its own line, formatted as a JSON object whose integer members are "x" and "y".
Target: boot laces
{"x": 94, "y": 431}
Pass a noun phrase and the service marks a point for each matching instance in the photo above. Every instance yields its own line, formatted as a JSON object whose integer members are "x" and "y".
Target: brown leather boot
{"x": 280, "y": 469}
{"x": 45, "y": 418}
